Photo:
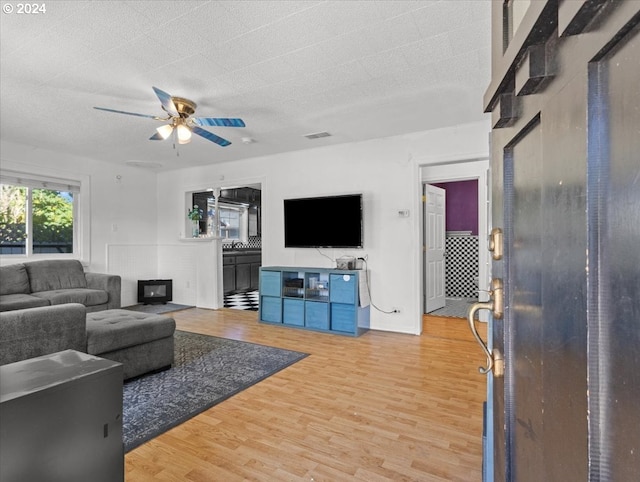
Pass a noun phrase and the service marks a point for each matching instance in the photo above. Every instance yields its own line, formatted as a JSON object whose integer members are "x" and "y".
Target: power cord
{"x": 366, "y": 272}
{"x": 366, "y": 275}
{"x": 328, "y": 257}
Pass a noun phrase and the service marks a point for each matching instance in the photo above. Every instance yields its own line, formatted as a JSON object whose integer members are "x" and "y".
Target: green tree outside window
{"x": 52, "y": 220}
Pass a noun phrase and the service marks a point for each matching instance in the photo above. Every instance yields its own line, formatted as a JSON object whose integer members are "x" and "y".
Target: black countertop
{"x": 241, "y": 252}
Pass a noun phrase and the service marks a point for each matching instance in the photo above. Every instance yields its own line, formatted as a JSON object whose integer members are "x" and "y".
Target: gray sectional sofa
{"x": 40, "y": 331}
{"x": 55, "y": 282}
{"x": 53, "y": 305}
{"x": 44, "y": 305}
{"x": 141, "y": 342}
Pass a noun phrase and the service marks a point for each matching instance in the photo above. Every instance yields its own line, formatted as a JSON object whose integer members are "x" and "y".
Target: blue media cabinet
{"x": 318, "y": 299}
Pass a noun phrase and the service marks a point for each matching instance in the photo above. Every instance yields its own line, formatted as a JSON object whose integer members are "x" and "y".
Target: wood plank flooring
{"x": 380, "y": 407}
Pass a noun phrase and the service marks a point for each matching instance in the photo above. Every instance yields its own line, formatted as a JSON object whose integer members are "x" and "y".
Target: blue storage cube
{"x": 270, "y": 283}
{"x": 271, "y": 309}
{"x": 343, "y": 317}
{"x": 293, "y": 312}
{"x": 316, "y": 315}
{"x": 342, "y": 288}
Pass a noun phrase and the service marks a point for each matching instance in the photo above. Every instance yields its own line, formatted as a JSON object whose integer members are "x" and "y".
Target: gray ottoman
{"x": 142, "y": 342}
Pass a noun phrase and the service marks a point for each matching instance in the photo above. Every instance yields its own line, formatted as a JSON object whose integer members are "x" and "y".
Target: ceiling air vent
{"x": 144, "y": 164}
{"x": 317, "y": 135}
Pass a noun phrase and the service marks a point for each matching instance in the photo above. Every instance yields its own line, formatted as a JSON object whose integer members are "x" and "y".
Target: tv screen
{"x": 323, "y": 222}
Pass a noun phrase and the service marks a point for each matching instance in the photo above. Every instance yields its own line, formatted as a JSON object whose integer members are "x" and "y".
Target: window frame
{"x": 49, "y": 179}
{"x": 240, "y": 213}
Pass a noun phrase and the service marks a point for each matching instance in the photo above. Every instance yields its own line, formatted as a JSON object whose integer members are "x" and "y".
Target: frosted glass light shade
{"x": 184, "y": 134}
{"x": 165, "y": 131}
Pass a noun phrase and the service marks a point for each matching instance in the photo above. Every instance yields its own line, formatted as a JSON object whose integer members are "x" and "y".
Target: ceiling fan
{"x": 181, "y": 123}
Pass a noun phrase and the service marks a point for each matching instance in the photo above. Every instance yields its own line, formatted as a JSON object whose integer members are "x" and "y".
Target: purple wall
{"x": 462, "y": 205}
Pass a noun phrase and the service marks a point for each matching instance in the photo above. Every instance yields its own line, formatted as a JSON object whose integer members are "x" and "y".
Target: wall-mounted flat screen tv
{"x": 323, "y": 222}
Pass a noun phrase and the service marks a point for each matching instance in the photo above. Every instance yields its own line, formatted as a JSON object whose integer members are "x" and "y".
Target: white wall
{"x": 148, "y": 212}
{"x": 123, "y": 211}
{"x": 386, "y": 171}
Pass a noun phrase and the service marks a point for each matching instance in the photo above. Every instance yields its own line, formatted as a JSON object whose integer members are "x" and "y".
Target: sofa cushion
{"x": 14, "y": 279}
{"x": 59, "y": 274}
{"x": 20, "y": 301}
{"x": 83, "y": 296}
{"x": 116, "y": 329}
{"x": 40, "y": 331}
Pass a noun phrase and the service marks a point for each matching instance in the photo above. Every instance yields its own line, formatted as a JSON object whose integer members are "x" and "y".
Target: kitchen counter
{"x": 241, "y": 252}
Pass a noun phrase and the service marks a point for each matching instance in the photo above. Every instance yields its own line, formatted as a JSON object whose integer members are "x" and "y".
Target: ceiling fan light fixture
{"x": 184, "y": 134}
{"x": 165, "y": 131}
{"x": 181, "y": 125}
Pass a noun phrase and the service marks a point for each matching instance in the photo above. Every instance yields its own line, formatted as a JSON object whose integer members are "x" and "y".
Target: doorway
{"x": 240, "y": 212}
{"x": 467, "y": 218}
{"x": 462, "y": 256}
{"x": 233, "y": 217}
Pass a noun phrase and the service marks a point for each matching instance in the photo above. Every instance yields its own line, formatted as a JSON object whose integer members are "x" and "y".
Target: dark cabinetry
{"x": 229, "y": 273}
{"x": 243, "y": 276}
{"x": 241, "y": 271}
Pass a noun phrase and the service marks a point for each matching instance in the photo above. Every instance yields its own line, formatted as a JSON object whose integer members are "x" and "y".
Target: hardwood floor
{"x": 380, "y": 407}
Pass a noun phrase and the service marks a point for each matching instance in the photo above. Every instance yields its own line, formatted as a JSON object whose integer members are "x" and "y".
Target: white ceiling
{"x": 356, "y": 69}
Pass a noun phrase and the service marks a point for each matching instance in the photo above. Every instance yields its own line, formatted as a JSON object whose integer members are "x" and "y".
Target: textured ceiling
{"x": 356, "y": 69}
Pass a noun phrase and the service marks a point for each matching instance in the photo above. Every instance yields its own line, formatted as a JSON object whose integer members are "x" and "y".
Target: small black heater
{"x": 155, "y": 291}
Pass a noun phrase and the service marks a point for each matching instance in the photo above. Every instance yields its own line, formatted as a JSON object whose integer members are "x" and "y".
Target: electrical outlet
{"x": 395, "y": 310}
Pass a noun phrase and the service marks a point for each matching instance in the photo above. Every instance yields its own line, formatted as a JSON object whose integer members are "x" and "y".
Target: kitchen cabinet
{"x": 241, "y": 270}
{"x": 243, "y": 275}
{"x": 229, "y": 273}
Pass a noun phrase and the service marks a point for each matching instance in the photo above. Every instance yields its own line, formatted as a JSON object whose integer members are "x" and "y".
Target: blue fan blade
{"x": 128, "y": 113}
{"x": 218, "y": 121}
{"x": 156, "y": 137}
{"x": 166, "y": 101}
{"x": 210, "y": 136}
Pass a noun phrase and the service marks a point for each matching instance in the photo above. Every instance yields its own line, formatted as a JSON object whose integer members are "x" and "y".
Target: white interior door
{"x": 434, "y": 252}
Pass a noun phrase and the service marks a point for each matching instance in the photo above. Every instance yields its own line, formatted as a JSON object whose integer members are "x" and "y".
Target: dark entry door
{"x": 565, "y": 103}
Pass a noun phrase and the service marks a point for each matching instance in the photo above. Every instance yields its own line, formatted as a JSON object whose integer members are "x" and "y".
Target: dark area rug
{"x": 157, "y": 309}
{"x": 207, "y": 370}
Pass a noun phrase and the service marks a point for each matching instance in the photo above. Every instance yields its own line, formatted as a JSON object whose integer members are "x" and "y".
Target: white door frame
{"x": 214, "y": 278}
{"x": 465, "y": 170}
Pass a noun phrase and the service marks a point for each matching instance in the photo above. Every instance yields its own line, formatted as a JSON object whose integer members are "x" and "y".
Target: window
{"x": 234, "y": 222}
{"x": 229, "y": 222}
{"x": 38, "y": 215}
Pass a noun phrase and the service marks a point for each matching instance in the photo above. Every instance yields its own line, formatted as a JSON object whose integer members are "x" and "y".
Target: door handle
{"x": 495, "y": 360}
